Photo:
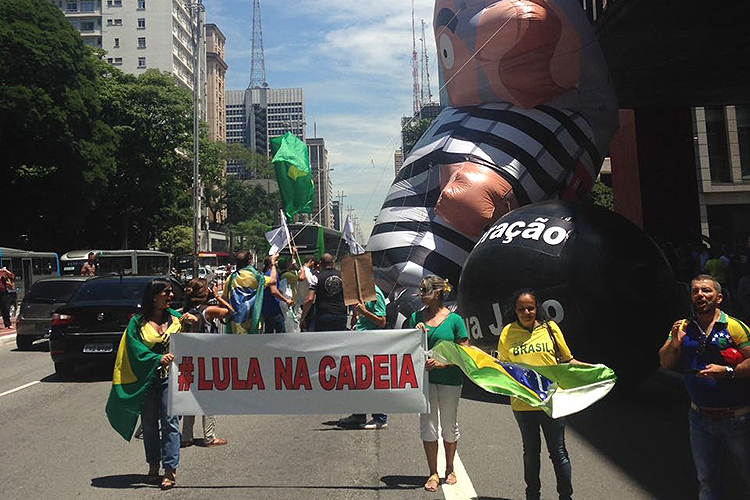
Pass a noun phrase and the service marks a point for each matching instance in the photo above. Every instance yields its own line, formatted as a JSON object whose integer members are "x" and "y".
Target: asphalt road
{"x": 57, "y": 444}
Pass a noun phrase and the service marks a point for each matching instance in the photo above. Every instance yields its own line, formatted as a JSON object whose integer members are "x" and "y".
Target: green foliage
{"x": 251, "y": 235}
{"x": 250, "y": 202}
{"x": 177, "y": 240}
{"x": 256, "y": 164}
{"x": 412, "y": 132}
{"x": 152, "y": 116}
{"x": 98, "y": 158}
{"x": 59, "y": 153}
{"x": 602, "y": 195}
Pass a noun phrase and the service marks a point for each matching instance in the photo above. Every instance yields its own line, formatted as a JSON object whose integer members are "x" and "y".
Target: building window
{"x": 142, "y": 23}
{"x": 118, "y": 60}
{"x": 71, "y": 6}
{"x": 118, "y": 22}
{"x": 110, "y": 60}
{"x": 141, "y": 4}
{"x": 117, "y": 43}
{"x": 141, "y": 42}
{"x": 743, "y": 134}
{"x": 110, "y": 22}
{"x": 87, "y": 26}
{"x": 118, "y": 3}
{"x": 718, "y": 148}
{"x": 141, "y": 62}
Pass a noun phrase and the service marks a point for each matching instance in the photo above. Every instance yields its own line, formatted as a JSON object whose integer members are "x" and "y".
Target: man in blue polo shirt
{"x": 713, "y": 353}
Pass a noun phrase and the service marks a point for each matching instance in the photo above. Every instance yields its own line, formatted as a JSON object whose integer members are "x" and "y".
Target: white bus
{"x": 136, "y": 262}
{"x": 28, "y": 267}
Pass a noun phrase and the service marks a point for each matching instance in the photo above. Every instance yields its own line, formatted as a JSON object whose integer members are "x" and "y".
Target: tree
{"x": 177, "y": 240}
{"x": 256, "y": 164}
{"x": 59, "y": 153}
{"x": 602, "y": 195}
{"x": 250, "y": 202}
{"x": 152, "y": 116}
{"x": 412, "y": 132}
{"x": 252, "y": 236}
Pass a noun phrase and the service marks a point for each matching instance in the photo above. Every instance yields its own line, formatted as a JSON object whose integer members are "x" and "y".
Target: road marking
{"x": 24, "y": 386}
{"x": 463, "y": 489}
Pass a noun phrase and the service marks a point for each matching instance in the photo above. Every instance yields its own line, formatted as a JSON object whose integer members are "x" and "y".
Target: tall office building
{"x": 286, "y": 112}
{"x": 255, "y": 115}
{"x": 398, "y": 159}
{"x": 322, "y": 207}
{"x": 336, "y": 208}
{"x": 216, "y": 70}
{"x": 137, "y": 34}
{"x": 246, "y": 125}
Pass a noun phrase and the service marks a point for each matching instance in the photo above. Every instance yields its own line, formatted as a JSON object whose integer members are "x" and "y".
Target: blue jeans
{"x": 529, "y": 423}
{"x": 709, "y": 439}
{"x": 161, "y": 447}
{"x": 274, "y": 323}
{"x": 330, "y": 323}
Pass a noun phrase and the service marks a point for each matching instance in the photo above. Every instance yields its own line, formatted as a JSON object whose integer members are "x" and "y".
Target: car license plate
{"x": 103, "y": 347}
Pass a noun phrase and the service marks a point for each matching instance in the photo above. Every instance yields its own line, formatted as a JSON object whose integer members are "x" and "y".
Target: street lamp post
{"x": 196, "y": 8}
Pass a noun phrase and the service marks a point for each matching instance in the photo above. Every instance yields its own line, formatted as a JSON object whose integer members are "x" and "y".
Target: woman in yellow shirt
{"x": 532, "y": 339}
{"x": 161, "y": 431}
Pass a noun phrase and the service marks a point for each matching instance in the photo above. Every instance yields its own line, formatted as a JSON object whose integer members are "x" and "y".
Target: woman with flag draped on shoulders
{"x": 140, "y": 381}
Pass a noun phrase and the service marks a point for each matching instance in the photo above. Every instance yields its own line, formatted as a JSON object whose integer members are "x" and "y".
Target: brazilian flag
{"x": 291, "y": 160}
{"x": 558, "y": 390}
{"x": 135, "y": 370}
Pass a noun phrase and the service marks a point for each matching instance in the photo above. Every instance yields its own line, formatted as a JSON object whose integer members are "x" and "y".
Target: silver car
{"x": 39, "y": 303}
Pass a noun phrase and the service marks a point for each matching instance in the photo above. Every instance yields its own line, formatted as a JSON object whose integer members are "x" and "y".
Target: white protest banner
{"x": 381, "y": 371}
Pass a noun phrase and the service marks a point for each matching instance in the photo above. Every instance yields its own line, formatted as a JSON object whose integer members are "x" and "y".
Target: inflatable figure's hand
{"x": 473, "y": 197}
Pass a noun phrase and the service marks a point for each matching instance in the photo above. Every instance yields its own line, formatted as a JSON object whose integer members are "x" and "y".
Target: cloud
{"x": 353, "y": 60}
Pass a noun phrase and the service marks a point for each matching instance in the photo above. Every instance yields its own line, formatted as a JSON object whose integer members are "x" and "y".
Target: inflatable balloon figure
{"x": 529, "y": 113}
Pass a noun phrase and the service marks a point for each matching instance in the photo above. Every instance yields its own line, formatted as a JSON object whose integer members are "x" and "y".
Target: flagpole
{"x": 290, "y": 240}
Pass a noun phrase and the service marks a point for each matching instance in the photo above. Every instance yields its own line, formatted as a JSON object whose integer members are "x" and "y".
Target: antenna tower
{"x": 415, "y": 63}
{"x": 426, "y": 92}
{"x": 258, "y": 68}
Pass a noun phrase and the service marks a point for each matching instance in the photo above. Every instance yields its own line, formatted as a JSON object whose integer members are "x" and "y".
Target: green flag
{"x": 292, "y": 163}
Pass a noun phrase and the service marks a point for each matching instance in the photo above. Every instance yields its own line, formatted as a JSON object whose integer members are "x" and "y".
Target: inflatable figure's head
{"x": 523, "y": 52}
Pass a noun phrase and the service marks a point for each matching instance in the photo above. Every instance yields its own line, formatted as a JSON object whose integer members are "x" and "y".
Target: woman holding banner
{"x": 440, "y": 324}
{"x": 534, "y": 340}
{"x": 197, "y": 296}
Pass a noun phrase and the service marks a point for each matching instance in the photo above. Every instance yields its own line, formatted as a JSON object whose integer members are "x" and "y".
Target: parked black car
{"x": 89, "y": 327}
{"x": 39, "y": 303}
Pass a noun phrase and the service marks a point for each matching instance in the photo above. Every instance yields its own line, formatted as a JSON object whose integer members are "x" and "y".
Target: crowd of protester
{"x": 711, "y": 349}
{"x": 728, "y": 264}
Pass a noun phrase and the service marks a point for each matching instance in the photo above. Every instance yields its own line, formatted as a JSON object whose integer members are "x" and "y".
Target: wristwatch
{"x": 730, "y": 372}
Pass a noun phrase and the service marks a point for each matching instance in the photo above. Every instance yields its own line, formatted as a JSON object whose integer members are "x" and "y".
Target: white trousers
{"x": 443, "y": 407}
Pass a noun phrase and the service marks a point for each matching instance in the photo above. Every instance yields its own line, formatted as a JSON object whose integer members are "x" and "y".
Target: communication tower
{"x": 258, "y": 68}
{"x": 426, "y": 92}
{"x": 415, "y": 63}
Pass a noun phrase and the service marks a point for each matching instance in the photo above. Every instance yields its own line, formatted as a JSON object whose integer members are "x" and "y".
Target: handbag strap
{"x": 554, "y": 342}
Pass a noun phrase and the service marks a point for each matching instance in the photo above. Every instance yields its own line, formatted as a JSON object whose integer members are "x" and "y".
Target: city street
{"x": 58, "y": 444}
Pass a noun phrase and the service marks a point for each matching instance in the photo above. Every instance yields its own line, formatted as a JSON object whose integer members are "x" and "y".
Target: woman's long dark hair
{"x": 153, "y": 289}
{"x": 541, "y": 314}
{"x": 196, "y": 293}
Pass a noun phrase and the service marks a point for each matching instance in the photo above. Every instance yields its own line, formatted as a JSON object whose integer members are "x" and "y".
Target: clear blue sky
{"x": 353, "y": 60}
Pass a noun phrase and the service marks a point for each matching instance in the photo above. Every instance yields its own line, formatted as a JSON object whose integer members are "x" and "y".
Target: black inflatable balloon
{"x": 600, "y": 277}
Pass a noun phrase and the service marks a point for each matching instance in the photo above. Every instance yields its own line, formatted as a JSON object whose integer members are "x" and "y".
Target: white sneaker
{"x": 375, "y": 425}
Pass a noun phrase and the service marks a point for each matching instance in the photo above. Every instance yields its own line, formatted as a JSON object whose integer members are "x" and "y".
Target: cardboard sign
{"x": 359, "y": 280}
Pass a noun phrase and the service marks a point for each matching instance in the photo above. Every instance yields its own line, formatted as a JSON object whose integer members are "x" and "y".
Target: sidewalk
{"x": 4, "y": 332}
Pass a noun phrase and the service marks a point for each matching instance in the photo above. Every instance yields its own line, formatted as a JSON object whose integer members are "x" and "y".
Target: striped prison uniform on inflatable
{"x": 537, "y": 151}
